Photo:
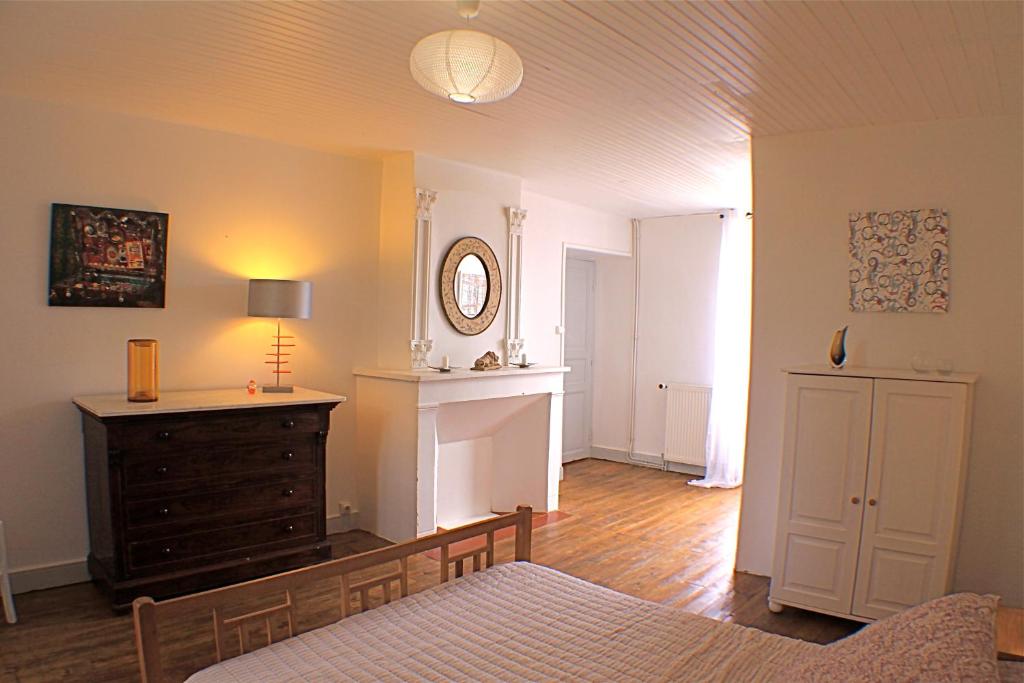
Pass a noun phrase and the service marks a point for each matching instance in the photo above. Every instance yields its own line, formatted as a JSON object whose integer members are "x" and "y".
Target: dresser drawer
{"x": 147, "y": 473}
{"x": 211, "y": 505}
{"x": 173, "y": 433}
{"x": 220, "y": 541}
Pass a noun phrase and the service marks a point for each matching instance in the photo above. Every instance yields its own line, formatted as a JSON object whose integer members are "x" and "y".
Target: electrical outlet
{"x": 345, "y": 508}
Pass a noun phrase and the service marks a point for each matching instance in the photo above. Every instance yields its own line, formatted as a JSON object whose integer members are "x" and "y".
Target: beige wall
{"x": 804, "y": 186}
{"x": 238, "y": 208}
{"x": 395, "y": 260}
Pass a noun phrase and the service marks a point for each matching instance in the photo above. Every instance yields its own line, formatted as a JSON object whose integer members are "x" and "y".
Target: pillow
{"x": 952, "y": 638}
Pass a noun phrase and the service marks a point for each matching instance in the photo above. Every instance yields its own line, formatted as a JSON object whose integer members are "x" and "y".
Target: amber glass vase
{"x": 143, "y": 370}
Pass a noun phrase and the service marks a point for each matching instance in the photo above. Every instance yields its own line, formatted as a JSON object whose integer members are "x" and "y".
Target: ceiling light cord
{"x": 468, "y": 9}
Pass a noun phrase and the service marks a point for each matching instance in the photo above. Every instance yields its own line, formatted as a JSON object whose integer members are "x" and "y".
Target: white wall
{"x": 552, "y": 226}
{"x": 471, "y": 202}
{"x": 680, "y": 269}
{"x": 804, "y": 187}
{"x": 613, "y": 350}
{"x": 464, "y": 481}
{"x": 238, "y": 208}
{"x": 678, "y": 289}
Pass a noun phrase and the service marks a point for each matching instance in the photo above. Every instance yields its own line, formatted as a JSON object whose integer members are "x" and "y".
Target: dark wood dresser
{"x": 203, "y": 488}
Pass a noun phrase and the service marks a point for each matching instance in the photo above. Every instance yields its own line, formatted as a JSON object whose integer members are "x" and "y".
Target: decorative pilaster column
{"x": 420, "y": 343}
{"x": 514, "y": 341}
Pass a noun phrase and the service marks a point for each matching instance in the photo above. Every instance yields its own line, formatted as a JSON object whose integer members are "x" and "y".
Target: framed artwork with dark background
{"x": 107, "y": 257}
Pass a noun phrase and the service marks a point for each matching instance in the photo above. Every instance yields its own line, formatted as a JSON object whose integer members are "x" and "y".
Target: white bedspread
{"x": 520, "y": 622}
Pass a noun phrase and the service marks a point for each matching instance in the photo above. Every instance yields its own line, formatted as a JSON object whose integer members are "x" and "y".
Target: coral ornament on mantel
{"x": 488, "y": 361}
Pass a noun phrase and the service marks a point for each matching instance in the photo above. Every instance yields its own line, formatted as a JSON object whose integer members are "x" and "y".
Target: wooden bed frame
{"x": 148, "y": 613}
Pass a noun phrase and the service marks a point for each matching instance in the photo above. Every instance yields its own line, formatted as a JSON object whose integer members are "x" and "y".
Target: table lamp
{"x": 280, "y": 299}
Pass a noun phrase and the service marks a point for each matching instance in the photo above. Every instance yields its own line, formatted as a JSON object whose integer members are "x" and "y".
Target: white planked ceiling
{"x": 639, "y": 107}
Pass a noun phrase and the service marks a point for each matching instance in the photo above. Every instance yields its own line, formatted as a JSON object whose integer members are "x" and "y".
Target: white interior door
{"x": 824, "y": 465}
{"x": 917, "y": 434}
{"x": 579, "y": 355}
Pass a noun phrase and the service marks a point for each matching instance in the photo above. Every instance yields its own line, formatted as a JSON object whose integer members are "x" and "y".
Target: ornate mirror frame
{"x": 462, "y": 323}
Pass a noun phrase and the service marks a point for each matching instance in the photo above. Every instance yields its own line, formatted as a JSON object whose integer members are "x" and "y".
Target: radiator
{"x": 686, "y": 423}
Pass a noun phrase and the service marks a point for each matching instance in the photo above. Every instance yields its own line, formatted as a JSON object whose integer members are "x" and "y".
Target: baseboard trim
{"x": 573, "y": 456}
{"x": 49, "y": 575}
{"x": 619, "y": 455}
{"x": 339, "y": 524}
{"x": 54, "y": 574}
{"x": 644, "y": 460}
{"x": 683, "y": 468}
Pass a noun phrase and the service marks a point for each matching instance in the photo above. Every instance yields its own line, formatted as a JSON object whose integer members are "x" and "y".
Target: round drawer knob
{"x": 872, "y": 502}
{"x": 287, "y": 455}
{"x": 164, "y": 512}
{"x": 288, "y": 424}
{"x": 288, "y": 493}
{"x": 855, "y": 500}
{"x": 166, "y": 551}
{"x": 163, "y": 436}
{"x": 289, "y": 528}
{"x": 162, "y": 469}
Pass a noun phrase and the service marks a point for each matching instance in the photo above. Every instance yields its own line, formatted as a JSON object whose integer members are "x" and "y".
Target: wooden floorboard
{"x": 637, "y": 530}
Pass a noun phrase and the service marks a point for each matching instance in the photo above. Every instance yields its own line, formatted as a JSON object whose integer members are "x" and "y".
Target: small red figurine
{"x": 251, "y": 387}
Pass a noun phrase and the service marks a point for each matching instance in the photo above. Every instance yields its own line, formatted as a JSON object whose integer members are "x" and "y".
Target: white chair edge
{"x": 5, "y": 581}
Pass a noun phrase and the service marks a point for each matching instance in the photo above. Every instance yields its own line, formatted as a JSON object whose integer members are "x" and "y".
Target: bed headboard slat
{"x": 149, "y": 614}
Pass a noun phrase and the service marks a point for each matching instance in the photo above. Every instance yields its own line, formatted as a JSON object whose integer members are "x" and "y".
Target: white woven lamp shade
{"x": 468, "y": 67}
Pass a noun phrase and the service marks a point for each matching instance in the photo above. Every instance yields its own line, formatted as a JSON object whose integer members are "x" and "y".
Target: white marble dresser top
{"x": 116, "y": 405}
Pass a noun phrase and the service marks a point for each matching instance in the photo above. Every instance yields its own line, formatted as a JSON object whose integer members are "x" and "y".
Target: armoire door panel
{"x": 912, "y": 469}
{"x": 825, "y": 452}
{"x": 813, "y": 566}
{"x": 895, "y": 581}
{"x": 820, "y": 482}
{"x": 917, "y": 433}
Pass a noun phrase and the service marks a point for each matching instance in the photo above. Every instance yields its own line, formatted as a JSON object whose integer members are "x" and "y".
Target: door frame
{"x": 576, "y": 246}
{"x": 566, "y": 248}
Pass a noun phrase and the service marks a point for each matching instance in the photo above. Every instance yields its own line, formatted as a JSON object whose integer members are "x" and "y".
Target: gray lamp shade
{"x": 280, "y": 298}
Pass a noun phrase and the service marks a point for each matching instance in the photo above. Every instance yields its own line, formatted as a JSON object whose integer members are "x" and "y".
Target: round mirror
{"x": 471, "y": 285}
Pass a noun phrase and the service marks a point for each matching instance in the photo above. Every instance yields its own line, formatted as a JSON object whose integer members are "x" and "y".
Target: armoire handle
{"x": 872, "y": 501}
{"x": 855, "y": 500}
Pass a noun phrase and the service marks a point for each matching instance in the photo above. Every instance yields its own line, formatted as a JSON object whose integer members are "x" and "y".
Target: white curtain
{"x": 727, "y": 424}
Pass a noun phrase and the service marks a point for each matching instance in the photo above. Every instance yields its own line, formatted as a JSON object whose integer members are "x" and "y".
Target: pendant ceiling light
{"x": 466, "y": 66}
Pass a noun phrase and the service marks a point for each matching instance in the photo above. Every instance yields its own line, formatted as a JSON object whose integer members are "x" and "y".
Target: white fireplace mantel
{"x": 456, "y": 374}
{"x": 444, "y": 448}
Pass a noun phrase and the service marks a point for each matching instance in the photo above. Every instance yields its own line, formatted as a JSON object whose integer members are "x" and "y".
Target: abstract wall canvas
{"x": 899, "y": 261}
{"x": 107, "y": 257}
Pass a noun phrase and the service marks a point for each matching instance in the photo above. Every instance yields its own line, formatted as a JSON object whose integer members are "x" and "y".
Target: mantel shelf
{"x": 429, "y": 375}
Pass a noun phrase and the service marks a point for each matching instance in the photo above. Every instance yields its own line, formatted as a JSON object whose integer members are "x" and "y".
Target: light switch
{"x": 559, "y": 329}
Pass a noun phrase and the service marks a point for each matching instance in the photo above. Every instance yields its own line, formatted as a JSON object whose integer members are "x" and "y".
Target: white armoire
{"x": 873, "y": 469}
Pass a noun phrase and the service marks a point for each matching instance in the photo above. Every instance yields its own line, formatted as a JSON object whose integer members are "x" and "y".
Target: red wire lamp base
{"x": 278, "y": 361}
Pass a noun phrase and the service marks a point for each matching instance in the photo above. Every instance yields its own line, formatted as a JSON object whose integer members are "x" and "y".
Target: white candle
{"x": 444, "y": 362}
{"x": 522, "y": 359}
